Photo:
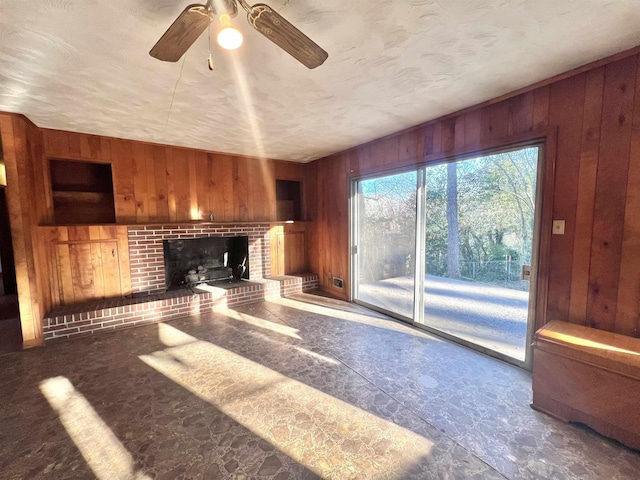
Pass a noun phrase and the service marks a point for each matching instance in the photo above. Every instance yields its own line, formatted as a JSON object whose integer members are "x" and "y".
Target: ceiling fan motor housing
{"x": 230, "y": 7}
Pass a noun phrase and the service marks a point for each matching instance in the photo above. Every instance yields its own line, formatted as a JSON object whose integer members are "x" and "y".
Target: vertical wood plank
{"x": 494, "y": 121}
{"x": 79, "y": 233}
{"x": 110, "y": 269}
{"x": 181, "y": 184}
{"x": 521, "y": 113}
{"x": 57, "y": 143}
{"x": 472, "y": 128}
{"x": 123, "y": 180}
{"x": 108, "y": 232}
{"x": 98, "y": 271}
{"x": 161, "y": 181}
{"x": 294, "y": 248}
{"x": 428, "y": 134}
{"x": 269, "y": 206}
{"x": 360, "y": 159}
{"x": 63, "y": 260}
{"x": 105, "y": 149}
{"x": 448, "y": 136}
{"x": 140, "y": 182}
{"x": 95, "y": 232}
{"x": 277, "y": 251}
{"x": 90, "y": 147}
{"x": 262, "y": 191}
{"x": 194, "y": 211}
{"x": 123, "y": 260}
{"x": 378, "y": 156}
{"x": 74, "y": 145}
{"x": 228, "y": 186}
{"x": 81, "y": 272}
{"x": 42, "y": 176}
{"x": 240, "y": 192}
{"x": 63, "y": 234}
{"x": 591, "y": 122}
{"x": 203, "y": 176}
{"x": 459, "y": 134}
{"x": 408, "y": 148}
{"x": 152, "y": 195}
{"x": 219, "y": 166}
{"x": 628, "y": 303}
{"x": 566, "y": 110}
{"x": 391, "y": 148}
{"x": 611, "y": 190}
{"x": 541, "y": 107}
{"x": 437, "y": 139}
{"x": 171, "y": 186}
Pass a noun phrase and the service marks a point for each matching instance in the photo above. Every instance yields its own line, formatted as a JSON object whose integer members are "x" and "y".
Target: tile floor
{"x": 297, "y": 388}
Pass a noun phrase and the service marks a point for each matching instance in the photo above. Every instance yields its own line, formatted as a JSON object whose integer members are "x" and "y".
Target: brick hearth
{"x": 107, "y": 315}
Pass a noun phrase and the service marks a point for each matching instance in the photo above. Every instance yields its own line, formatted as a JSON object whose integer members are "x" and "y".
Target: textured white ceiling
{"x": 84, "y": 66}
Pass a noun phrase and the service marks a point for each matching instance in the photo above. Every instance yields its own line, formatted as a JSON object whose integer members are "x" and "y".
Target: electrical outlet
{"x": 558, "y": 227}
{"x": 337, "y": 282}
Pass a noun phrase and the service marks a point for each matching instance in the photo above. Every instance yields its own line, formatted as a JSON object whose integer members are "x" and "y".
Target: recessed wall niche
{"x": 82, "y": 192}
{"x": 288, "y": 200}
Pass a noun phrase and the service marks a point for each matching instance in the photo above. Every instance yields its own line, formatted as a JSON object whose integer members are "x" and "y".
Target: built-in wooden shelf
{"x": 288, "y": 200}
{"x": 82, "y": 192}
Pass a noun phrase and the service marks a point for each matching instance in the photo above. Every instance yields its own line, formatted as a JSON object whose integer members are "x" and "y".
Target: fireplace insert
{"x": 193, "y": 261}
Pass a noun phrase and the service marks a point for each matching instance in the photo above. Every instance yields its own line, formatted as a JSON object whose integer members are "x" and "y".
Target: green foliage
{"x": 496, "y": 200}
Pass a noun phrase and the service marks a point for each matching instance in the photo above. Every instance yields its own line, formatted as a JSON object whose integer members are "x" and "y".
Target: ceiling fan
{"x": 196, "y": 18}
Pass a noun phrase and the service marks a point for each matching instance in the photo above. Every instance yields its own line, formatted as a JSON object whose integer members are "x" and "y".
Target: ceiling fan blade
{"x": 182, "y": 33}
{"x": 277, "y": 29}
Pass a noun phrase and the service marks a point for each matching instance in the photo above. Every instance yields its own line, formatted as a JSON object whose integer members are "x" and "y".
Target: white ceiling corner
{"x": 84, "y": 66}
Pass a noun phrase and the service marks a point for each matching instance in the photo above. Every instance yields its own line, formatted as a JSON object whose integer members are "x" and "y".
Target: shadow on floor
{"x": 10, "y": 329}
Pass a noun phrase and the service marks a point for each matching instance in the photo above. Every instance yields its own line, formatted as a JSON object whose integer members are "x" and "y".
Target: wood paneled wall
{"x": 152, "y": 184}
{"x": 22, "y": 145}
{"x": 594, "y": 268}
{"x": 158, "y": 183}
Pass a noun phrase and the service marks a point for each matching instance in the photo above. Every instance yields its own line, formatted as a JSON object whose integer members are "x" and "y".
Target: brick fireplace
{"x": 151, "y": 302}
{"x": 146, "y": 254}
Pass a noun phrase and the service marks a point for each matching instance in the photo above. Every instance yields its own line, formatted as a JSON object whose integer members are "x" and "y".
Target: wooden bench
{"x": 590, "y": 376}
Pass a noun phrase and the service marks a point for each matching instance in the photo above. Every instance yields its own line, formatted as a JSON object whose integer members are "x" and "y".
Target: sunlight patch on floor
{"x": 330, "y": 437}
{"x": 368, "y": 319}
{"x": 103, "y": 452}
{"x": 261, "y": 323}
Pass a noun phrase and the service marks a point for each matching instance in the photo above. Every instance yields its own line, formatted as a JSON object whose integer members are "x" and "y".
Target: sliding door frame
{"x": 541, "y": 242}
{"x": 354, "y": 184}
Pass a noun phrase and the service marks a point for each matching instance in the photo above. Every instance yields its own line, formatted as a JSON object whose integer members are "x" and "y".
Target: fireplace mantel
{"x": 176, "y": 224}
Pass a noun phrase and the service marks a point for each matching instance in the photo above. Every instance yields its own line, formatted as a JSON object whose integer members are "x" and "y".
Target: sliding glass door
{"x": 470, "y": 224}
{"x": 385, "y": 226}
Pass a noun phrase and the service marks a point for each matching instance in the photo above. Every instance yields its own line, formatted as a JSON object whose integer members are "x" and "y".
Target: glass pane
{"x": 386, "y": 226}
{"x": 479, "y": 230}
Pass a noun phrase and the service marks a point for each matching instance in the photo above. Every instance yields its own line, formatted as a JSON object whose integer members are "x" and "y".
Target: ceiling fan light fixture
{"x": 229, "y": 37}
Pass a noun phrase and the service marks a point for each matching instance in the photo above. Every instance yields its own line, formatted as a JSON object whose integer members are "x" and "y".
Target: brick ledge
{"x": 114, "y": 314}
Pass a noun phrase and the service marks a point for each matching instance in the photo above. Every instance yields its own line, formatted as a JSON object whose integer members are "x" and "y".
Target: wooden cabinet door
{"x": 289, "y": 253}
{"x": 88, "y": 271}
{"x": 294, "y": 253}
